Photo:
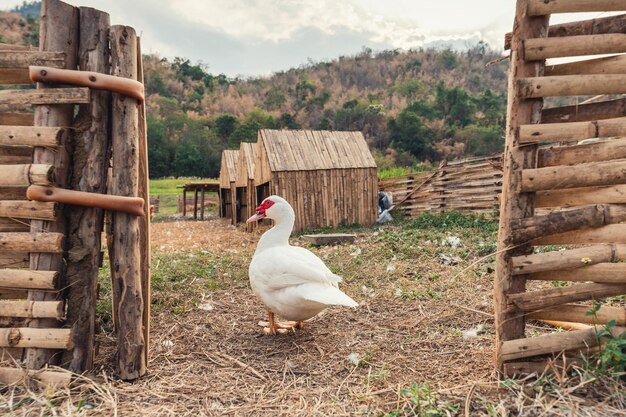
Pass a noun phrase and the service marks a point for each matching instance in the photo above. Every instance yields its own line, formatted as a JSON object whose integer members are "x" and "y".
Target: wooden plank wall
{"x": 469, "y": 186}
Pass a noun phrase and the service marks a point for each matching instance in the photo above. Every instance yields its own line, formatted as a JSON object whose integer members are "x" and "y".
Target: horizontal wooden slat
{"x": 32, "y": 135}
{"x": 571, "y": 85}
{"x": 12, "y": 193}
{"x": 543, "y": 48}
{"x": 24, "y": 59}
{"x": 26, "y": 174}
{"x": 15, "y": 155}
{"x": 615, "y": 64}
{"x": 11, "y": 376}
{"x": 574, "y": 131}
{"x": 613, "y": 233}
{"x": 25, "y": 337}
{"x": 604, "y": 150}
{"x": 27, "y": 210}
{"x": 32, "y": 309}
{"x": 12, "y": 225}
{"x": 544, "y": 7}
{"x": 14, "y": 260}
{"x": 536, "y": 300}
{"x": 14, "y": 76}
{"x": 574, "y": 176}
{"x": 610, "y": 109}
{"x": 548, "y": 344}
{"x": 17, "y": 119}
{"x": 571, "y": 258}
{"x": 13, "y": 47}
{"x": 13, "y": 294}
{"x": 578, "y": 313}
{"x": 19, "y": 99}
{"x": 30, "y": 279}
{"x": 31, "y": 242}
{"x": 570, "y": 197}
{"x": 605, "y": 273}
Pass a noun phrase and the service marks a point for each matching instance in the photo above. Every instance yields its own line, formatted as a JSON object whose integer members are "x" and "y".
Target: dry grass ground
{"x": 420, "y": 343}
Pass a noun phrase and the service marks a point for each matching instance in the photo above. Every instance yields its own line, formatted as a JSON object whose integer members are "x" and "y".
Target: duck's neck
{"x": 277, "y": 235}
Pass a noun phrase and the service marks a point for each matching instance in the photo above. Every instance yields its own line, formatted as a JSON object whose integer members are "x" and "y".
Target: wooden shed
{"x": 328, "y": 177}
{"x": 246, "y": 190}
{"x": 228, "y": 175}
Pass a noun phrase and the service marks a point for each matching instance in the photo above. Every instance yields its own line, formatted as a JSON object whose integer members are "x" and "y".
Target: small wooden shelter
{"x": 328, "y": 177}
{"x": 228, "y": 175}
{"x": 246, "y": 190}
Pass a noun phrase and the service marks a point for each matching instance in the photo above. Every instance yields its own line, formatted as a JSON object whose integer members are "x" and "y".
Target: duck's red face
{"x": 261, "y": 211}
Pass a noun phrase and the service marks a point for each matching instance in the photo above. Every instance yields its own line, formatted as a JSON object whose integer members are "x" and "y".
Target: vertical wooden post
{"x": 195, "y": 203}
{"x": 184, "y": 202}
{"x": 202, "y": 204}
{"x": 89, "y": 173}
{"x": 58, "y": 33}
{"x": 144, "y": 222}
{"x": 514, "y": 205}
{"x": 126, "y": 260}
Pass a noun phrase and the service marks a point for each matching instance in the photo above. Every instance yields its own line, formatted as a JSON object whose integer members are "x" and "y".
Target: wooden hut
{"x": 245, "y": 185}
{"x": 328, "y": 177}
{"x": 228, "y": 175}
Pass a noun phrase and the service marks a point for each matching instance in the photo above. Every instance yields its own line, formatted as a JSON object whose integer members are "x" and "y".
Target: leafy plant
{"x": 424, "y": 402}
{"x": 611, "y": 359}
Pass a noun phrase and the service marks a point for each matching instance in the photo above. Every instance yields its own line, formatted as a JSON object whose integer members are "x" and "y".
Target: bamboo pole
{"x": 567, "y": 259}
{"x": 126, "y": 261}
{"x": 537, "y": 300}
{"x": 604, "y": 273}
{"x": 615, "y": 64}
{"x": 610, "y": 109}
{"x": 613, "y": 233}
{"x": 509, "y": 324}
{"x": 89, "y": 180}
{"x": 567, "y": 176}
{"x": 25, "y": 337}
{"x": 31, "y": 242}
{"x": 12, "y": 376}
{"x": 31, "y": 136}
{"x": 574, "y": 131}
{"x": 571, "y": 85}
{"x": 25, "y": 175}
{"x": 58, "y": 33}
{"x": 580, "y": 154}
{"x": 578, "y": 313}
{"x": 27, "y": 210}
{"x": 546, "y": 7}
{"x": 32, "y": 309}
{"x": 20, "y": 278}
{"x": 544, "y": 48}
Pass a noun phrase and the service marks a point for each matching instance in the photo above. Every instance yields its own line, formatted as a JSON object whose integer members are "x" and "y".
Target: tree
{"x": 408, "y": 133}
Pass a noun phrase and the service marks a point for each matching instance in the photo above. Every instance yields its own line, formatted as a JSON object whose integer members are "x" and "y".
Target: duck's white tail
{"x": 327, "y": 295}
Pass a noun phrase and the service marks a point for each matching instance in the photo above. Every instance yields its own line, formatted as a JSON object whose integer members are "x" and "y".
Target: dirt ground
{"x": 421, "y": 338}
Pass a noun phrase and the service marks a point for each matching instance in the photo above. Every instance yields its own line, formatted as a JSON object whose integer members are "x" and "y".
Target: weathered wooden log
{"x": 539, "y": 367}
{"x": 613, "y": 233}
{"x": 568, "y": 259}
{"x": 12, "y": 193}
{"x": 549, "y": 344}
{"x": 615, "y": 64}
{"x": 13, "y": 155}
{"x": 31, "y": 242}
{"x": 20, "y": 278}
{"x": 31, "y": 136}
{"x": 131, "y": 205}
{"x": 12, "y": 225}
{"x": 571, "y": 85}
{"x": 566, "y": 176}
{"x": 603, "y": 273}
{"x": 578, "y": 313}
{"x": 89, "y": 179}
{"x": 20, "y": 99}
{"x": 14, "y": 76}
{"x": 605, "y": 150}
{"x": 509, "y": 324}
{"x": 530, "y": 228}
{"x": 144, "y": 222}
{"x": 12, "y": 376}
{"x": 14, "y": 260}
{"x": 570, "y": 197}
{"x": 126, "y": 259}
{"x": 547, "y": 7}
{"x": 25, "y": 175}
{"x": 25, "y": 337}
{"x": 23, "y": 59}
{"x": 59, "y": 33}
{"x": 573, "y": 131}
{"x": 609, "y": 109}
{"x": 12, "y": 294}
{"x": 32, "y": 309}
{"x": 27, "y": 210}
{"x": 537, "y": 300}
{"x": 544, "y": 48}
{"x": 17, "y": 119}
{"x": 91, "y": 79}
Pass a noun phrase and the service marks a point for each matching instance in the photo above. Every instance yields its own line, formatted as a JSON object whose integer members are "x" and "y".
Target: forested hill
{"x": 411, "y": 105}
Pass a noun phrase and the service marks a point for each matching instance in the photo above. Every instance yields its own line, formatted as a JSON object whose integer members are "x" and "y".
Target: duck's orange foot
{"x": 273, "y": 327}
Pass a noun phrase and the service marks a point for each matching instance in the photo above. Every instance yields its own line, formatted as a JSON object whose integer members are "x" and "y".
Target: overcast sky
{"x": 255, "y": 37}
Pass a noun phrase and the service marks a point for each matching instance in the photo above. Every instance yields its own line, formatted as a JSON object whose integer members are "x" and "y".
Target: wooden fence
{"x": 469, "y": 186}
{"x": 50, "y": 249}
{"x": 561, "y": 195}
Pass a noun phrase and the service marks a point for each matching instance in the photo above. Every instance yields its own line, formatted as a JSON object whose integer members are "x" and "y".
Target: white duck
{"x": 291, "y": 281}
